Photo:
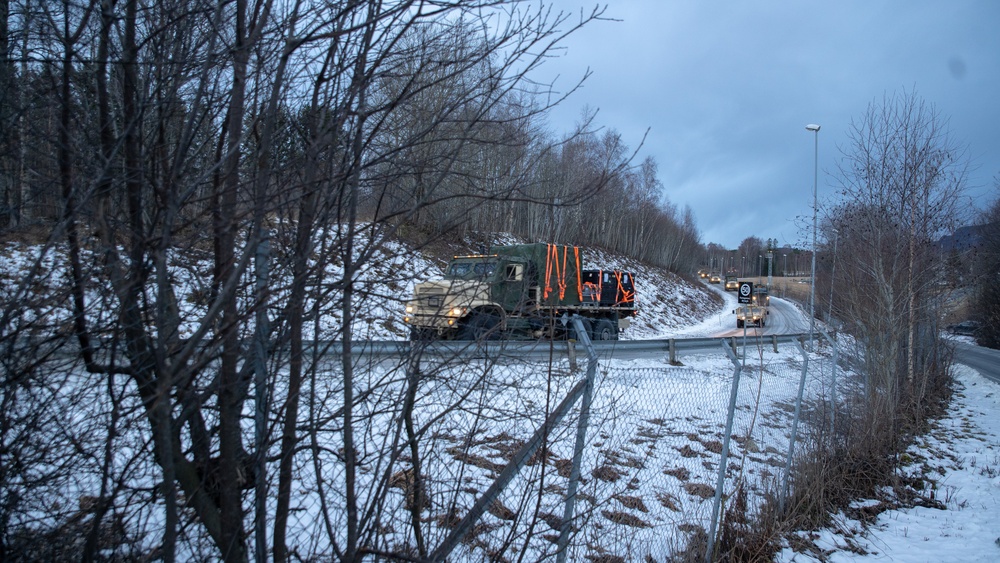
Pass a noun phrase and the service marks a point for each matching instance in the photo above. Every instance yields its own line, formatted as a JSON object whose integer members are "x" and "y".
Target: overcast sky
{"x": 726, "y": 88}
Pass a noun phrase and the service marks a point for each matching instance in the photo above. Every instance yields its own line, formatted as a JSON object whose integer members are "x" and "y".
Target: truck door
{"x": 511, "y": 287}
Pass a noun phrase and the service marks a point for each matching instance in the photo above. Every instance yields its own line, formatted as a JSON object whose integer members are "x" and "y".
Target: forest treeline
{"x": 164, "y": 109}
{"x": 267, "y": 152}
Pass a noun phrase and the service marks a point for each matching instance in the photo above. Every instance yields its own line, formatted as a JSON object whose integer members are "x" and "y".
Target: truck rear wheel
{"x": 605, "y": 330}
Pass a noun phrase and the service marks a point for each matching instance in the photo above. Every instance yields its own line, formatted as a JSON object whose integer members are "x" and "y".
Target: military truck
{"x": 522, "y": 291}
{"x": 750, "y": 315}
{"x": 761, "y": 296}
{"x": 757, "y": 311}
{"x": 732, "y": 282}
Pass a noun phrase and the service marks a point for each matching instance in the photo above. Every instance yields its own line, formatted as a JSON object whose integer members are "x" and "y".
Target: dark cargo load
{"x": 608, "y": 288}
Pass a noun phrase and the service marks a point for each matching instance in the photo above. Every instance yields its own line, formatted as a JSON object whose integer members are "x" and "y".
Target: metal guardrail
{"x": 671, "y": 346}
{"x": 529, "y": 348}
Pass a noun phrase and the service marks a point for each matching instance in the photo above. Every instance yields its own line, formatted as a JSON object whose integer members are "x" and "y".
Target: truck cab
{"x": 482, "y": 286}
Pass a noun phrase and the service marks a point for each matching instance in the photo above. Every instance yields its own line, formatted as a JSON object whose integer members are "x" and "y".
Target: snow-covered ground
{"x": 961, "y": 454}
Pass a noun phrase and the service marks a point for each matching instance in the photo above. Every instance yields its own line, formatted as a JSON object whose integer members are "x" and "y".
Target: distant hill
{"x": 963, "y": 239}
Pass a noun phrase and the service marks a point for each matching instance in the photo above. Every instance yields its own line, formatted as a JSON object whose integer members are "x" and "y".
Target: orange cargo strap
{"x": 562, "y": 277}
{"x": 627, "y": 296}
{"x": 579, "y": 274}
{"x": 554, "y": 269}
{"x": 550, "y": 248}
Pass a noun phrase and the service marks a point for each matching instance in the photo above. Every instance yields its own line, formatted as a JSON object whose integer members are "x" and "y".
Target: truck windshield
{"x": 471, "y": 270}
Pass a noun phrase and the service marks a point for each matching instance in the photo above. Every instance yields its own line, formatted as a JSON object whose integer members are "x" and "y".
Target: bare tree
{"x": 900, "y": 178}
{"x": 191, "y": 137}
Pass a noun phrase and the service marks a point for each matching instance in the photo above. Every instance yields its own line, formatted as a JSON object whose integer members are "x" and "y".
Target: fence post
{"x": 833, "y": 380}
{"x": 724, "y": 461}
{"x": 584, "y": 389}
{"x": 581, "y": 438}
{"x": 795, "y": 426}
{"x": 672, "y": 346}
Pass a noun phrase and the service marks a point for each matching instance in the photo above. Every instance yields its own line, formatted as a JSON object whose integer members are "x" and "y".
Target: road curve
{"x": 985, "y": 360}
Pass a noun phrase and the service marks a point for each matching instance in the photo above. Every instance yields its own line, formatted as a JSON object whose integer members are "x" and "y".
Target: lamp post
{"x": 812, "y": 280}
{"x": 784, "y": 276}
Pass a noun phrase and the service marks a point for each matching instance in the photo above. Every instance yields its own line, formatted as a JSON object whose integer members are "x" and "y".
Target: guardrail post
{"x": 672, "y": 346}
{"x": 774, "y": 340}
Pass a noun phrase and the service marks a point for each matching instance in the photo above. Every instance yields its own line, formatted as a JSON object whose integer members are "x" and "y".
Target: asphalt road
{"x": 783, "y": 317}
{"x": 985, "y": 360}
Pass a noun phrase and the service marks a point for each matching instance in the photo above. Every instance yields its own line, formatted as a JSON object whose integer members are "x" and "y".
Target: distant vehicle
{"x": 715, "y": 278}
{"x": 732, "y": 283}
{"x": 761, "y": 297}
{"x": 964, "y": 328}
{"x": 703, "y": 273}
{"x": 750, "y": 315}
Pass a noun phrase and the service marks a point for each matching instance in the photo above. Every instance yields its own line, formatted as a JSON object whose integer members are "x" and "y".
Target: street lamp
{"x": 812, "y": 280}
{"x": 784, "y": 276}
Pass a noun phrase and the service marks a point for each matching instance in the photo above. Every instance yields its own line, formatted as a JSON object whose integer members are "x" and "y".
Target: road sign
{"x": 746, "y": 293}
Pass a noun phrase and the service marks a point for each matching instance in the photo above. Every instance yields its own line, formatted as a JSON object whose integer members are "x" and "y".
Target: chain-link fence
{"x": 460, "y": 458}
{"x": 652, "y": 484}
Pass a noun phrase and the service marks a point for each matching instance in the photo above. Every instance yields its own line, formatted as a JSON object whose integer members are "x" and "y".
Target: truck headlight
{"x": 409, "y": 308}
{"x": 456, "y": 312}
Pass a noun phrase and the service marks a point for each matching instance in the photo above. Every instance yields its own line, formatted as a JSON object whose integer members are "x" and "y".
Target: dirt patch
{"x": 668, "y": 501}
{"x": 625, "y": 519}
{"x": 606, "y": 473}
{"x": 635, "y": 503}
{"x": 680, "y": 473}
{"x": 498, "y": 509}
{"x": 476, "y": 460}
{"x": 700, "y": 490}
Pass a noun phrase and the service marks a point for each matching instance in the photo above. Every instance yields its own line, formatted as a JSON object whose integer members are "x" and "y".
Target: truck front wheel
{"x": 481, "y": 326}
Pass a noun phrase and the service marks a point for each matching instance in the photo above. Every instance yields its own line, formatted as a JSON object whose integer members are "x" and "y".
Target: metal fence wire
{"x": 652, "y": 460}
{"x": 652, "y": 483}
{"x": 504, "y": 458}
